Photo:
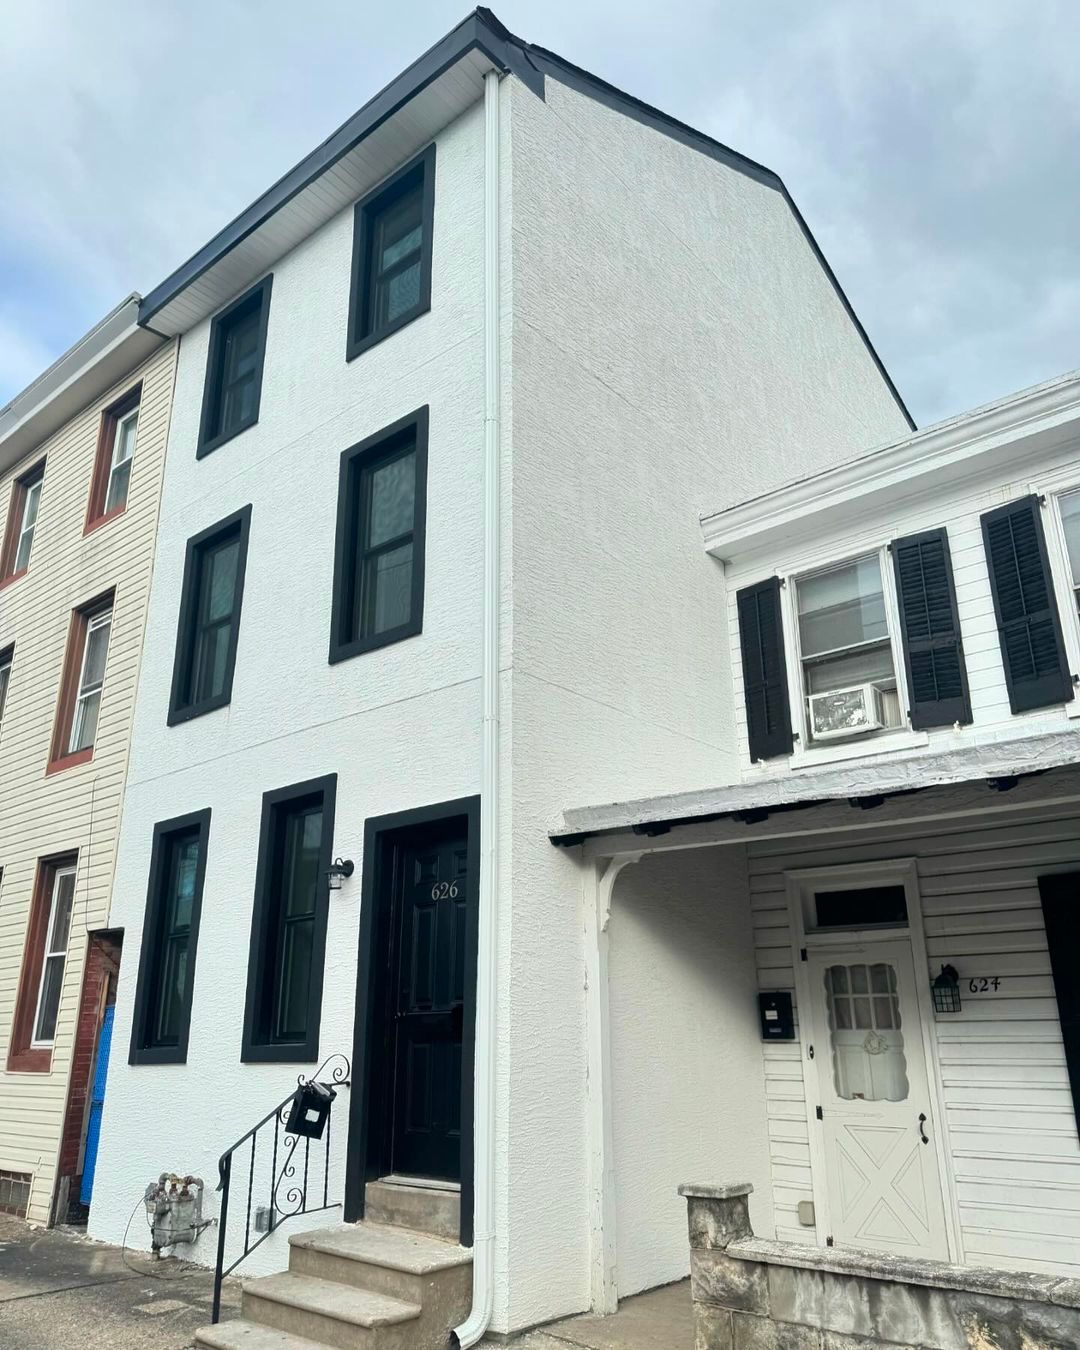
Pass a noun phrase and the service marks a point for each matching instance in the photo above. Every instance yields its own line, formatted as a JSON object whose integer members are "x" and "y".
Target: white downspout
{"x": 474, "y": 1327}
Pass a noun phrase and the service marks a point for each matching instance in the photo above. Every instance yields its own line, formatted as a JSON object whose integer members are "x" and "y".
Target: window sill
{"x": 69, "y": 761}
{"x": 207, "y": 447}
{"x": 345, "y": 651}
{"x": 161, "y": 1054}
{"x": 296, "y": 1052}
{"x": 188, "y": 712}
{"x": 30, "y": 1061}
{"x": 358, "y": 346}
{"x": 13, "y": 576}
{"x": 876, "y": 745}
{"x": 98, "y": 521}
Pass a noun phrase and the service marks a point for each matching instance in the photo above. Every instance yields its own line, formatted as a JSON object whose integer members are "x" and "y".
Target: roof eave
{"x": 96, "y": 362}
{"x": 990, "y": 437}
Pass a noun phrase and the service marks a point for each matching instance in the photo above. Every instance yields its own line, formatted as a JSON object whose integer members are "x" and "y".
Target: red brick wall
{"x": 99, "y": 985}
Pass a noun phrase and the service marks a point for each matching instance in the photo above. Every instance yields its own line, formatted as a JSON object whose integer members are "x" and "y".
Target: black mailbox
{"x": 777, "y": 1017}
{"x": 310, "y": 1109}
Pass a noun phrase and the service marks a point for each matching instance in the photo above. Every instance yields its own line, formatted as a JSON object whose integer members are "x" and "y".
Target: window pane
{"x": 239, "y": 359}
{"x": 397, "y": 294}
{"x": 172, "y": 992}
{"x": 97, "y": 646}
{"x": 219, "y": 583}
{"x": 183, "y": 885}
{"x": 392, "y": 493}
{"x": 30, "y": 510}
{"x": 51, "y": 985}
{"x": 398, "y": 230}
{"x": 388, "y": 590}
{"x": 117, "y": 493}
{"x": 868, "y": 666}
{"x": 84, "y": 725}
{"x": 211, "y": 658}
{"x": 1070, "y": 518}
{"x": 303, "y": 841}
{"x": 5, "y": 676}
{"x": 124, "y": 447}
{"x": 842, "y": 607}
{"x": 61, "y": 921}
{"x": 861, "y": 908}
{"x": 867, "y": 1043}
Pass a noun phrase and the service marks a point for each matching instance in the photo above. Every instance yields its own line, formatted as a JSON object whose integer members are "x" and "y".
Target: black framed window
{"x": 234, "y": 367}
{"x": 288, "y": 925}
{"x": 159, "y": 1034}
{"x": 209, "y": 625}
{"x": 391, "y": 268}
{"x": 379, "y": 559}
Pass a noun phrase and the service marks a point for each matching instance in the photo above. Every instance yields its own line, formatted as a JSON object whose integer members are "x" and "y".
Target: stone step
{"x": 241, "y": 1335}
{"x": 330, "y": 1313}
{"x": 425, "y": 1209}
{"x": 413, "y": 1267}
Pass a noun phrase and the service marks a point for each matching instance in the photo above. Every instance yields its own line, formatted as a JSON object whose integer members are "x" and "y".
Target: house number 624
{"x": 982, "y": 984}
{"x": 444, "y": 890}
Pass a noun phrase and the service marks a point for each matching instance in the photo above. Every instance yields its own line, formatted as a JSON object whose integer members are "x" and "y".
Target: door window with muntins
{"x": 865, "y": 1032}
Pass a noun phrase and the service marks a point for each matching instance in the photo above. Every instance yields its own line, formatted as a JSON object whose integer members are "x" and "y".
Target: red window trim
{"x": 14, "y": 522}
{"x": 23, "y": 1057}
{"x": 99, "y": 480}
{"x": 59, "y": 758}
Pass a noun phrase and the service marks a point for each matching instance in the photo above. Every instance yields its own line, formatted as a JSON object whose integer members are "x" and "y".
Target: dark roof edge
{"x": 584, "y": 82}
{"x": 475, "y": 31}
{"x": 482, "y": 30}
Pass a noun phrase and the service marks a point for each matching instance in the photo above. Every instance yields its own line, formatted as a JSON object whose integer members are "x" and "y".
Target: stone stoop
{"x": 425, "y": 1209}
{"x": 365, "y": 1286}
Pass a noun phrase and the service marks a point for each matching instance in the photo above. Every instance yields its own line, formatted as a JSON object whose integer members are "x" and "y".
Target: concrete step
{"x": 413, "y": 1267}
{"x": 330, "y": 1313}
{"x": 425, "y": 1209}
{"x": 241, "y": 1335}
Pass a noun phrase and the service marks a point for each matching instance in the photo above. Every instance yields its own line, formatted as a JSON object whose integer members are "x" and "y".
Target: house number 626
{"x": 444, "y": 890}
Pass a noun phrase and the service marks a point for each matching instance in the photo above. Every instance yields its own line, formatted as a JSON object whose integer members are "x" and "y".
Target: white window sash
{"x": 121, "y": 443}
{"x": 91, "y": 690}
{"x": 58, "y": 954}
{"x": 28, "y": 524}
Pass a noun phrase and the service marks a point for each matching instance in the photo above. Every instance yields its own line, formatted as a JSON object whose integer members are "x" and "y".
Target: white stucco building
{"x": 451, "y": 398}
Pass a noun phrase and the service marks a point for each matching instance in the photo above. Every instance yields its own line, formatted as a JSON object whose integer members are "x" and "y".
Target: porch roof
{"x": 999, "y": 764}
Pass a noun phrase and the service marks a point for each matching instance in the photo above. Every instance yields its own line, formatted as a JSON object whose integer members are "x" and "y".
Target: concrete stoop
{"x": 365, "y": 1286}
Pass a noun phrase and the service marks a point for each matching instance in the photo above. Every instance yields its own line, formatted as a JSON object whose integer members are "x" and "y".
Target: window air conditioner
{"x": 846, "y": 712}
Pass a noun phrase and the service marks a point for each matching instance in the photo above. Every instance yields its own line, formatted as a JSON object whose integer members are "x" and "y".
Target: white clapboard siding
{"x": 78, "y": 809}
{"x": 1010, "y": 1122}
{"x": 959, "y": 514}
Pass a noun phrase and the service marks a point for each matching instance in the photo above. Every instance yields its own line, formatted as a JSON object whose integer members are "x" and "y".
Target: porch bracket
{"x": 599, "y": 886}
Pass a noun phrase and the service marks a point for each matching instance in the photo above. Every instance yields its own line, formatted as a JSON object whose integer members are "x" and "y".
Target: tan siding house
{"x": 81, "y": 454}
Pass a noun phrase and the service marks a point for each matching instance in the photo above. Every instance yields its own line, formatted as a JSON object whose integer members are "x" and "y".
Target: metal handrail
{"x": 296, "y": 1195}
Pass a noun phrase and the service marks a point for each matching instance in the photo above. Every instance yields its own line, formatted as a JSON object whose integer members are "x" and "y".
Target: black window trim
{"x": 164, "y": 831}
{"x": 254, "y": 1049}
{"x": 358, "y": 338}
{"x": 215, "y": 351}
{"x": 353, "y": 462}
{"x": 178, "y": 710}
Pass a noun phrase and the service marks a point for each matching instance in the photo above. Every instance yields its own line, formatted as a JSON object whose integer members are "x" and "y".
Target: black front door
{"x": 427, "y": 999}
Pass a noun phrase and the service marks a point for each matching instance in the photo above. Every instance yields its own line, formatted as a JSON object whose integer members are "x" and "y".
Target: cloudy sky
{"x": 932, "y": 148}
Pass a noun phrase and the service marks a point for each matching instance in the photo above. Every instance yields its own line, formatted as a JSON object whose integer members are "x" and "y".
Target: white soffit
{"x": 999, "y": 437}
{"x": 360, "y": 169}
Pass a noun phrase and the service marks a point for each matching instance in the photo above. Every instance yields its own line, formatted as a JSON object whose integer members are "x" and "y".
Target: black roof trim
{"x": 481, "y": 30}
{"x": 478, "y": 31}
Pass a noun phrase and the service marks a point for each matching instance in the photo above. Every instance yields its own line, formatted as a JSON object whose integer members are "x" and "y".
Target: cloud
{"x": 930, "y": 148}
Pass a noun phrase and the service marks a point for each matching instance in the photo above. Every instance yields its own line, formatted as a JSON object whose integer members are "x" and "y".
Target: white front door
{"x": 881, "y": 1166}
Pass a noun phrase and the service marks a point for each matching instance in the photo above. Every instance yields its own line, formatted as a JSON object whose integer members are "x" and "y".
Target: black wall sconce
{"x": 310, "y": 1110}
{"x": 338, "y": 870}
{"x": 946, "y": 991}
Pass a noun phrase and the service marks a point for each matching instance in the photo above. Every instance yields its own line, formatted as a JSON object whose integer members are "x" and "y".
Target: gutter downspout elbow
{"x": 483, "y": 1298}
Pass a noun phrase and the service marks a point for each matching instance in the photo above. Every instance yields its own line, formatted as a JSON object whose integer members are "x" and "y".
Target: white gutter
{"x": 474, "y": 1327}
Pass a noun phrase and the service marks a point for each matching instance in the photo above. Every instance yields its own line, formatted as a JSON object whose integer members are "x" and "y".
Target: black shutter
{"x": 1028, "y": 626}
{"x": 933, "y": 651}
{"x": 1061, "y": 914}
{"x": 761, "y": 637}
